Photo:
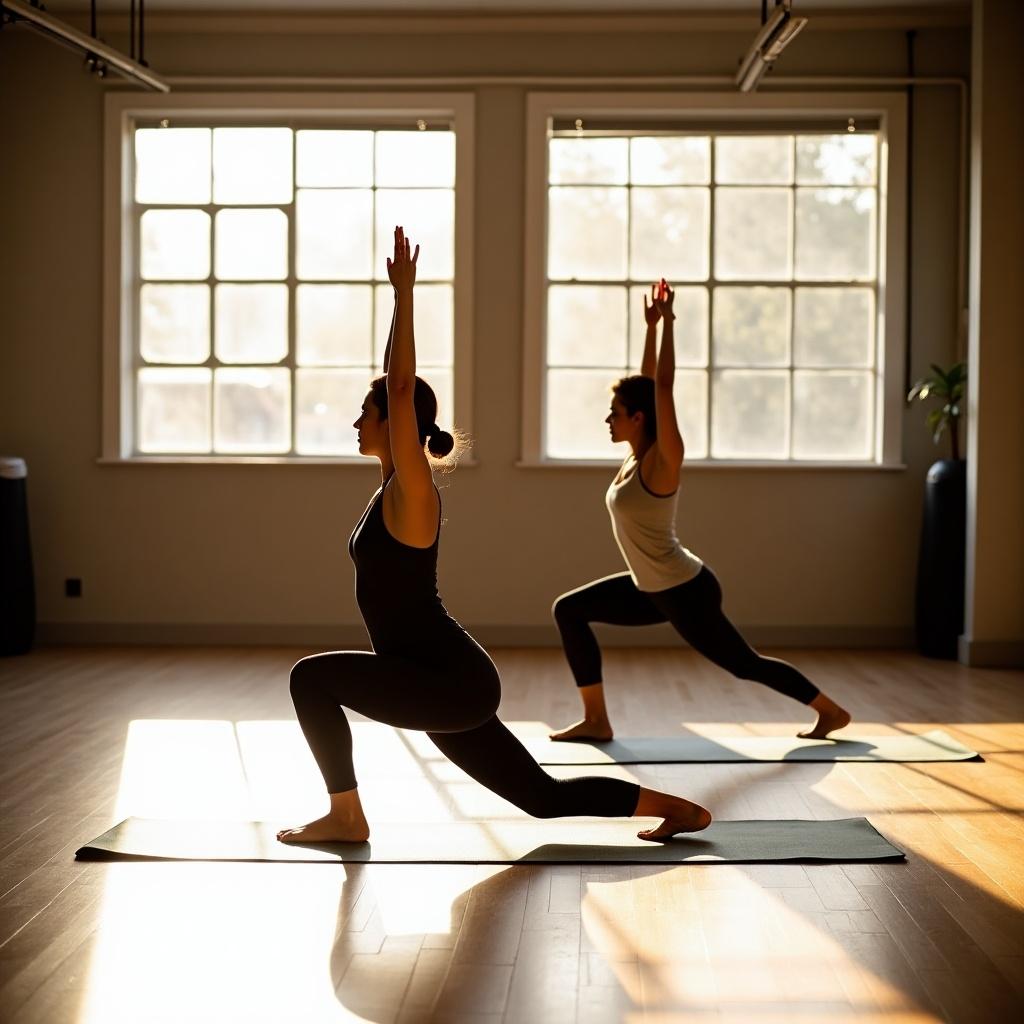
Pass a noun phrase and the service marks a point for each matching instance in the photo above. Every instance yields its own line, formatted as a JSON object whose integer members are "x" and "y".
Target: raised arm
{"x": 651, "y": 316}
{"x": 391, "y": 336}
{"x": 412, "y": 471}
{"x": 670, "y": 441}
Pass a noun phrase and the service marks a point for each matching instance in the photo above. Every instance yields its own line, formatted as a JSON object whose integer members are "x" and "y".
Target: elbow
{"x": 399, "y": 383}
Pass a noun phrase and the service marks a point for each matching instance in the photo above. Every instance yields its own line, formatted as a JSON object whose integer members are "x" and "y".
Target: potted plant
{"x": 939, "y": 617}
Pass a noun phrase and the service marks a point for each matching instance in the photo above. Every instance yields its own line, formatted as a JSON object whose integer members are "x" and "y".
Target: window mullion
{"x": 712, "y": 204}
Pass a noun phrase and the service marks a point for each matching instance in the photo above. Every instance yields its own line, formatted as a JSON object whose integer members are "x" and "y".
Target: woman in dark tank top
{"x": 426, "y": 672}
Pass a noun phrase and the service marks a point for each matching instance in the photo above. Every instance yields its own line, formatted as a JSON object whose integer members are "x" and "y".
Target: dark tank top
{"x": 396, "y": 587}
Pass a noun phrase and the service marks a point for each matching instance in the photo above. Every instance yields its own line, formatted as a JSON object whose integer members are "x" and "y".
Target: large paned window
{"x": 255, "y": 305}
{"x": 773, "y": 236}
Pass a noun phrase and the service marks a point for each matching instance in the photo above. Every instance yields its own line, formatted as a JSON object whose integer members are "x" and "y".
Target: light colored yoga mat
{"x": 930, "y": 746}
{"x": 500, "y": 842}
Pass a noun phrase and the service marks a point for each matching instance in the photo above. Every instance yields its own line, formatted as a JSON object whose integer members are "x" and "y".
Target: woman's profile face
{"x": 371, "y": 430}
{"x": 620, "y": 424}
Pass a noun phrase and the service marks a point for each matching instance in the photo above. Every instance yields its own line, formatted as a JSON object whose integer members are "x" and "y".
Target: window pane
{"x": 172, "y": 165}
{"x": 588, "y": 161}
{"x": 754, "y": 159}
{"x": 670, "y": 161}
{"x": 327, "y": 402}
{"x": 174, "y": 410}
{"x": 251, "y": 245}
{"x": 691, "y": 398}
{"x": 174, "y": 323}
{"x": 251, "y": 323}
{"x": 333, "y": 238}
{"x": 428, "y": 216}
{"x": 834, "y": 327}
{"x": 420, "y": 159}
{"x": 749, "y": 414}
{"x": 751, "y": 326}
{"x": 691, "y": 326}
{"x": 832, "y": 415}
{"x": 252, "y": 165}
{"x": 175, "y": 245}
{"x": 586, "y": 326}
{"x": 835, "y": 230}
{"x": 587, "y": 233}
{"x": 325, "y": 158}
{"x": 849, "y": 159}
{"x": 252, "y": 410}
{"x": 333, "y": 325}
{"x": 669, "y": 233}
{"x": 576, "y": 403}
{"x": 435, "y": 323}
{"x": 752, "y": 234}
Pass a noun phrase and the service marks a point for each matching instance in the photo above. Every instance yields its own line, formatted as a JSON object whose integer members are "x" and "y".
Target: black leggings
{"x": 695, "y": 610}
{"x": 454, "y": 704}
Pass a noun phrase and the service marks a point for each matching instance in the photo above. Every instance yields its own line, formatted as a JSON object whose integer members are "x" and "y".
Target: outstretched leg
{"x": 617, "y": 601}
{"x": 496, "y": 759}
{"x": 695, "y": 610}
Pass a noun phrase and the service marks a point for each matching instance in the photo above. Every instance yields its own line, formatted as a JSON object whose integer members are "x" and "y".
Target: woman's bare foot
{"x": 594, "y": 724}
{"x": 585, "y": 730}
{"x": 343, "y": 823}
{"x": 327, "y": 829}
{"x": 830, "y": 717}
{"x": 679, "y": 815}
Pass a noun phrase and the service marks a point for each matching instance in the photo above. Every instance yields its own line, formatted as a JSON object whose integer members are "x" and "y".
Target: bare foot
{"x": 680, "y": 815}
{"x": 328, "y": 829}
{"x": 692, "y": 821}
{"x": 830, "y": 717}
{"x": 585, "y": 730}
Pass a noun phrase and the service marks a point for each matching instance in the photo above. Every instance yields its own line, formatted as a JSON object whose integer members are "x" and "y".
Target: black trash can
{"x": 17, "y": 588}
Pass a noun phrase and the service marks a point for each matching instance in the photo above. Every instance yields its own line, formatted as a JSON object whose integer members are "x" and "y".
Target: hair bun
{"x": 439, "y": 442}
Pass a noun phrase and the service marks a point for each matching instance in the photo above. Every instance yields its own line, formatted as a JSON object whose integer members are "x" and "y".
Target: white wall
{"x": 804, "y": 556}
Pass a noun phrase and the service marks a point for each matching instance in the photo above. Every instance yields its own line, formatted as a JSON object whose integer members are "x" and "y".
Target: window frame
{"x": 120, "y": 241}
{"x": 889, "y": 109}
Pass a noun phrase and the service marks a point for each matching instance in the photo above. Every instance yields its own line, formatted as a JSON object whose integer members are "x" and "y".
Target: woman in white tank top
{"x": 665, "y": 582}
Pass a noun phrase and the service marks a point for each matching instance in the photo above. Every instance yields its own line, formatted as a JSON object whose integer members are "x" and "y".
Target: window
{"x": 254, "y": 305}
{"x": 771, "y": 230}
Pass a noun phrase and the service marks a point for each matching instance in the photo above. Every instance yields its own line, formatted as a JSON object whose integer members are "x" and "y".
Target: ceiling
{"x": 502, "y": 6}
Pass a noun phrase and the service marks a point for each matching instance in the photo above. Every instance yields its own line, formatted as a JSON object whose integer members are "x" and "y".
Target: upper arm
{"x": 412, "y": 470}
{"x": 670, "y": 440}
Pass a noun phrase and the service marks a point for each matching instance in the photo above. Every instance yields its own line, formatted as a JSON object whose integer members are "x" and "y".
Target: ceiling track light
{"x": 99, "y": 56}
{"x": 779, "y": 29}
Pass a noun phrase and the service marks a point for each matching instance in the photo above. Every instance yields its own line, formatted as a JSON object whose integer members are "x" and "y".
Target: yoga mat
{"x": 500, "y": 842}
{"x": 930, "y": 746}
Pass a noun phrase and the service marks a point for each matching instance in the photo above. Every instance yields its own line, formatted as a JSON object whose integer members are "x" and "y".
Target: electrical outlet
{"x": 73, "y": 588}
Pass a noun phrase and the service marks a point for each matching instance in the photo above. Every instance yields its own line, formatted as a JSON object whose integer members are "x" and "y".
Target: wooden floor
{"x": 90, "y": 735}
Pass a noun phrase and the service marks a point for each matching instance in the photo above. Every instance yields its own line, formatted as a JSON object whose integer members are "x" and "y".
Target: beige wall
{"x": 994, "y": 618}
{"x": 803, "y": 555}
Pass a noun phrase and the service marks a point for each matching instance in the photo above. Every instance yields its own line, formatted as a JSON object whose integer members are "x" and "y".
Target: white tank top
{"x": 644, "y": 525}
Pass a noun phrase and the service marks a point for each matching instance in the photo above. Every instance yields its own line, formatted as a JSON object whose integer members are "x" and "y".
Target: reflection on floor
{"x": 90, "y": 736}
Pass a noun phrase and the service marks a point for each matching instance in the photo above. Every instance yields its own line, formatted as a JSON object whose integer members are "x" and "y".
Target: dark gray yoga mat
{"x": 500, "y": 842}
{"x": 930, "y": 746}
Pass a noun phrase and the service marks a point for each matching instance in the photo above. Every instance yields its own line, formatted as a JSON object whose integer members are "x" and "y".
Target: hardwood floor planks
{"x": 937, "y": 939}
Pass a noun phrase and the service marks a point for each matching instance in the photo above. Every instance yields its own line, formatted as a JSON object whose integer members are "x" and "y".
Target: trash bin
{"x": 17, "y": 589}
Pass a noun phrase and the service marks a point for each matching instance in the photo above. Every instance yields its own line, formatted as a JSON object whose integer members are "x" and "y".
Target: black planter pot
{"x": 940, "y": 569}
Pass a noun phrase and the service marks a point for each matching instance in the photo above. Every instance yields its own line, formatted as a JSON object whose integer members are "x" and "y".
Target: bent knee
{"x": 300, "y": 679}
{"x": 565, "y": 609}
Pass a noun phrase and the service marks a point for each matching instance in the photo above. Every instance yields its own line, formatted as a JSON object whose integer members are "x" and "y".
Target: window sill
{"x": 249, "y": 460}
{"x": 719, "y": 465}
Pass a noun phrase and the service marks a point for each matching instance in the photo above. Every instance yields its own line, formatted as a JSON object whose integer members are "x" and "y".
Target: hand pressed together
{"x": 402, "y": 266}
